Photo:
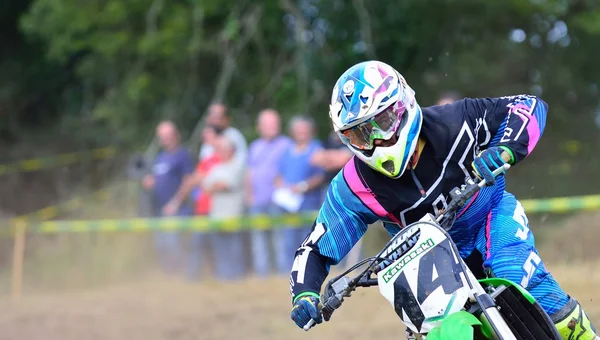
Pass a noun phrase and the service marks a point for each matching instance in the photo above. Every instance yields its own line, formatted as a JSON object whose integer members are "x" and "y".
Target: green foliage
{"x": 120, "y": 66}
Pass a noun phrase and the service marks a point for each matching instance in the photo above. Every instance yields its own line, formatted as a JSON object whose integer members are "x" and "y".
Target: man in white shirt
{"x": 217, "y": 116}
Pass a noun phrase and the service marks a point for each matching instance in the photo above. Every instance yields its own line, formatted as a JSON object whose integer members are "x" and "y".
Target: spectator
{"x": 202, "y": 206}
{"x": 264, "y": 157}
{"x": 448, "y": 97}
{"x": 332, "y": 158}
{"x": 170, "y": 168}
{"x": 298, "y": 176}
{"x": 217, "y": 116}
{"x": 225, "y": 183}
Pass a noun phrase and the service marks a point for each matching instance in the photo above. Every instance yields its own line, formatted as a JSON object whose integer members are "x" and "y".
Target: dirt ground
{"x": 172, "y": 309}
{"x": 253, "y": 309}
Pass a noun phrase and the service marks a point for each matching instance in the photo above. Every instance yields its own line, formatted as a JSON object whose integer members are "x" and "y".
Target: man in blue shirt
{"x": 264, "y": 157}
{"x": 297, "y": 174}
{"x": 170, "y": 168}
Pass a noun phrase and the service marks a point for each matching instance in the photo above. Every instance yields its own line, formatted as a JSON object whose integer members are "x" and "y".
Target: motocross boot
{"x": 572, "y": 322}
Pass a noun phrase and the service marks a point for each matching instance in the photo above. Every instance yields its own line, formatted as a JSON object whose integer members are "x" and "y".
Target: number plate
{"x": 427, "y": 283}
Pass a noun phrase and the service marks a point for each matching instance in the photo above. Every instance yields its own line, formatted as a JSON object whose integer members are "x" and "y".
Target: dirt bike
{"x": 435, "y": 293}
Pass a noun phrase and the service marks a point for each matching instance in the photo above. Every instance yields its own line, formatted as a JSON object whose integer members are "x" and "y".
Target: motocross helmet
{"x": 372, "y": 101}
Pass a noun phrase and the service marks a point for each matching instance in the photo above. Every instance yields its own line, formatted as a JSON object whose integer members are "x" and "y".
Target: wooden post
{"x": 18, "y": 255}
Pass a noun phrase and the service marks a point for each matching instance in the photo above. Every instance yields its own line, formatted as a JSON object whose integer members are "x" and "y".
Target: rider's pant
{"x": 508, "y": 250}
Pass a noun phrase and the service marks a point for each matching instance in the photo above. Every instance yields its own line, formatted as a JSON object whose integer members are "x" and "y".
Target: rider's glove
{"x": 306, "y": 308}
{"x": 489, "y": 160}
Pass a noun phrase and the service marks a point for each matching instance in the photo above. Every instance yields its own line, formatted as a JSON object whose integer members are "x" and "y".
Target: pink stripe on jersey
{"x": 363, "y": 192}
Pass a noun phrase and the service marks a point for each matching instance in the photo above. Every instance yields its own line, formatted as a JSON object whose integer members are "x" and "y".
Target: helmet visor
{"x": 382, "y": 126}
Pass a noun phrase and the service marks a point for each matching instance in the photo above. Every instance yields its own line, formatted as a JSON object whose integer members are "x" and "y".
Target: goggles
{"x": 381, "y": 126}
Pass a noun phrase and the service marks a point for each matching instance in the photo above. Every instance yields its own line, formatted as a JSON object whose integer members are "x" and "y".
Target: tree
{"x": 128, "y": 64}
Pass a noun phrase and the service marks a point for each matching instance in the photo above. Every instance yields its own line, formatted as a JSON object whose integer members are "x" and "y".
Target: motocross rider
{"x": 406, "y": 159}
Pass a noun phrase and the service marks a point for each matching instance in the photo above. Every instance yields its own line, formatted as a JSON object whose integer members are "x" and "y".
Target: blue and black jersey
{"x": 451, "y": 137}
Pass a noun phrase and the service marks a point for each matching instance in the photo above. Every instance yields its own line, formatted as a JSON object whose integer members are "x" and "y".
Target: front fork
{"x": 491, "y": 315}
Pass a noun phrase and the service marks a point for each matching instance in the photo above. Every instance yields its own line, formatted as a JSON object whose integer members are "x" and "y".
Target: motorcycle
{"x": 433, "y": 291}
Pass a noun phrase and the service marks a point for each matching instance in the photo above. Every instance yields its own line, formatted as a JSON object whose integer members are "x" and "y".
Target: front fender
{"x": 457, "y": 326}
{"x": 496, "y": 281}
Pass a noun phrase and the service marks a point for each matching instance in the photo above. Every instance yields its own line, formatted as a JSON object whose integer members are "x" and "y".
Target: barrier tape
{"x": 35, "y": 164}
{"x": 260, "y": 222}
{"x": 201, "y": 224}
{"x": 50, "y": 212}
{"x": 562, "y": 204}
{"x": 54, "y": 211}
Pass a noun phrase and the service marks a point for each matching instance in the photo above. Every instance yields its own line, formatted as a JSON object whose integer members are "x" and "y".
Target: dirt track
{"x": 252, "y": 309}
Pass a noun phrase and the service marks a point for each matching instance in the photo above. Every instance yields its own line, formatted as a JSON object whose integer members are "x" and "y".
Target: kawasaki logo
{"x": 400, "y": 246}
{"x": 420, "y": 249}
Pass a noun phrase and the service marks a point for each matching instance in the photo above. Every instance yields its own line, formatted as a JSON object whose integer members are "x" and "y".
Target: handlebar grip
{"x": 496, "y": 172}
{"x": 506, "y": 157}
{"x": 311, "y": 322}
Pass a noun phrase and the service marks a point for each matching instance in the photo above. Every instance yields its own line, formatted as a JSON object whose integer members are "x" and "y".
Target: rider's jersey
{"x": 451, "y": 137}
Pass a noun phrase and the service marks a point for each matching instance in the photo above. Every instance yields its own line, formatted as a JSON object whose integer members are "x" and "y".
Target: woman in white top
{"x": 225, "y": 183}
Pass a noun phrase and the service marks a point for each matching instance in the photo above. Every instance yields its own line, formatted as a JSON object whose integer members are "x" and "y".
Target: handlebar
{"x": 310, "y": 323}
{"x": 369, "y": 282}
{"x": 459, "y": 197}
{"x": 341, "y": 287}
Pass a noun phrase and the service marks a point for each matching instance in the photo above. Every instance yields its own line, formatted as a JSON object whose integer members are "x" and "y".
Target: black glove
{"x": 305, "y": 309}
{"x": 489, "y": 160}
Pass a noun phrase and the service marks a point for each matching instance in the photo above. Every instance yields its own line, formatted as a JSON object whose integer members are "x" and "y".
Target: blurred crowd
{"x": 275, "y": 174}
